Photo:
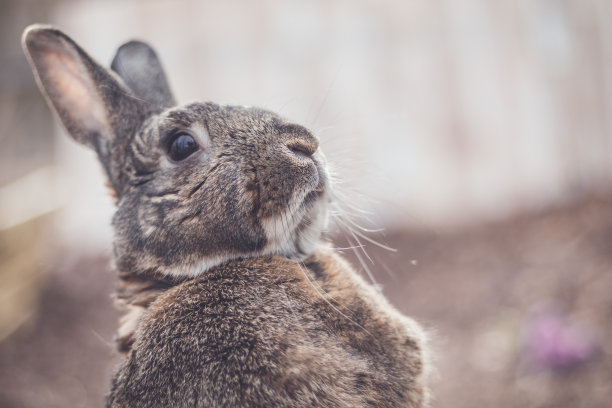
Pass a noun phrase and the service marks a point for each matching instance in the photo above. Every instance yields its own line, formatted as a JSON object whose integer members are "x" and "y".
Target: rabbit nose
{"x": 302, "y": 147}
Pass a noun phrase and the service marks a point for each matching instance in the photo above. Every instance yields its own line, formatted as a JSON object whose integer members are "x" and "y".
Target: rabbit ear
{"x": 91, "y": 101}
{"x": 139, "y": 67}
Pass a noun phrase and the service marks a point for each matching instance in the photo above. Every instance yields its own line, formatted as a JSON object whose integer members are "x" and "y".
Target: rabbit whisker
{"x": 324, "y": 296}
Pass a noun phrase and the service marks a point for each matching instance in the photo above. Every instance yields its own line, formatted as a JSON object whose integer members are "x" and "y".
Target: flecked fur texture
{"x": 232, "y": 297}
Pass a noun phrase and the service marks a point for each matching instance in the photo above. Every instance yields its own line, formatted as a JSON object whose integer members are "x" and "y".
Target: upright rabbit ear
{"x": 92, "y": 103}
{"x": 139, "y": 67}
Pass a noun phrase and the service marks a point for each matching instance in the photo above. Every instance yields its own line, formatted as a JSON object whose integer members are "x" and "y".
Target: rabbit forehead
{"x": 222, "y": 119}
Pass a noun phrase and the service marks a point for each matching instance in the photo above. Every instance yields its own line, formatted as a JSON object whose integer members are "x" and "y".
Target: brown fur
{"x": 232, "y": 298}
{"x": 273, "y": 334}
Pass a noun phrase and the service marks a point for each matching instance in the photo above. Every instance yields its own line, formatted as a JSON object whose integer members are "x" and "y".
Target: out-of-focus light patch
{"x": 554, "y": 342}
{"x": 494, "y": 348}
{"x": 83, "y": 222}
{"x": 30, "y": 196}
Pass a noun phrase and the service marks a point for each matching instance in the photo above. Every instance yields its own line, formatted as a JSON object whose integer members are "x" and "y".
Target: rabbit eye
{"x": 182, "y": 146}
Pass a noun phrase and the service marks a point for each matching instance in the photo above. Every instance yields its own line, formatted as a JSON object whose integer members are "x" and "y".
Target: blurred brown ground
{"x": 474, "y": 289}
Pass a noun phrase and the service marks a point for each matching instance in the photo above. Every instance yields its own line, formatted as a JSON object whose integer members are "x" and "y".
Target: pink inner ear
{"x": 72, "y": 92}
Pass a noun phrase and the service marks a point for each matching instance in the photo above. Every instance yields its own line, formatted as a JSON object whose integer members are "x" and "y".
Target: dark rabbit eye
{"x": 182, "y": 146}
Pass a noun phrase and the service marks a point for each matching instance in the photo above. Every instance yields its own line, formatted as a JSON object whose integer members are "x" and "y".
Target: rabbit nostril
{"x": 302, "y": 148}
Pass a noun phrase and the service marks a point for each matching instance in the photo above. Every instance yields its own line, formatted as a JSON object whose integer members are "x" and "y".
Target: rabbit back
{"x": 272, "y": 332}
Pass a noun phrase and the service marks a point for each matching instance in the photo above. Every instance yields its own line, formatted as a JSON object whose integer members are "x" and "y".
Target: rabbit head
{"x": 196, "y": 185}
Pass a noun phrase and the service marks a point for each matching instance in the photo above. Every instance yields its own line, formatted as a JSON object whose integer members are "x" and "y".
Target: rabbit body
{"x": 234, "y": 300}
{"x": 269, "y": 332}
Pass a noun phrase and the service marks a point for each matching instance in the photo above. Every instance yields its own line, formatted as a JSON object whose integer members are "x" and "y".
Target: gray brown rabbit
{"x": 233, "y": 299}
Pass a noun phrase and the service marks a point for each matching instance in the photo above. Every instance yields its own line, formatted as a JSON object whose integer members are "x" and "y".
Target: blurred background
{"x": 478, "y": 134}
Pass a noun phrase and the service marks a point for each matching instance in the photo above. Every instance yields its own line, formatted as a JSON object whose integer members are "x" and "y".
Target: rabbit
{"x": 233, "y": 297}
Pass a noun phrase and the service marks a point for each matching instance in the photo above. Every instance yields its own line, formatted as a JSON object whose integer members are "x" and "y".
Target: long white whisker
{"x": 364, "y": 229}
{"x": 361, "y": 246}
{"x": 355, "y": 210}
{"x": 324, "y": 295}
{"x": 345, "y": 248}
{"x": 373, "y": 241}
{"x": 367, "y": 269}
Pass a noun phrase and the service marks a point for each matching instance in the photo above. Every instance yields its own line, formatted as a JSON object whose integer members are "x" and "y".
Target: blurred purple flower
{"x": 553, "y": 343}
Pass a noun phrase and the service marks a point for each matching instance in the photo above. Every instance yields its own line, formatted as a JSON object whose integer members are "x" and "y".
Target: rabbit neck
{"x": 134, "y": 294}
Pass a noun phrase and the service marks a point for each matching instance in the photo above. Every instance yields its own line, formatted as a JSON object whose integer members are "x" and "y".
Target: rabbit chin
{"x": 296, "y": 233}
{"x": 293, "y": 234}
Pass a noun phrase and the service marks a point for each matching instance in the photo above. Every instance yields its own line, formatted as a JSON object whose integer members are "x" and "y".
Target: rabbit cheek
{"x": 149, "y": 219}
